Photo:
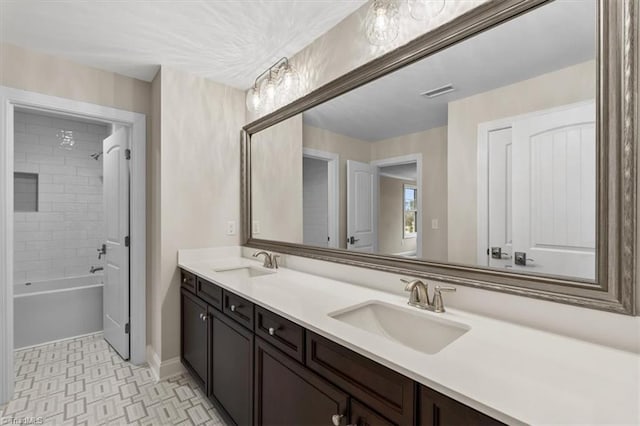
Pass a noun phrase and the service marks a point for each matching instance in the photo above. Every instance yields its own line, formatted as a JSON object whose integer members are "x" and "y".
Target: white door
{"x": 500, "y": 201}
{"x": 116, "y": 272}
{"x": 554, "y": 193}
{"x": 361, "y": 207}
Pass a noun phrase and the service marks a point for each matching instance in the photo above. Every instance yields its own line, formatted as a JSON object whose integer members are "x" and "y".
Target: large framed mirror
{"x": 497, "y": 151}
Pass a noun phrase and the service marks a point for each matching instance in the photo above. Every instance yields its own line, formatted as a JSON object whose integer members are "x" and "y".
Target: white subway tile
{"x": 95, "y": 207}
{"x": 89, "y": 198}
{"x": 26, "y": 138}
{"x": 32, "y": 236}
{"x": 82, "y": 243}
{"x": 19, "y": 245}
{"x": 83, "y": 189}
{"x": 57, "y": 254}
{"x": 79, "y": 180}
{"x": 76, "y": 261}
{"x": 26, "y": 255}
{"x": 72, "y": 125}
{"x": 44, "y": 245}
{"x": 33, "y": 148}
{"x": 26, "y": 167}
{"x": 50, "y": 188}
{"x": 19, "y": 156}
{"x": 32, "y": 265}
{"x": 44, "y": 178}
{"x": 49, "y": 274}
{"x": 68, "y": 235}
{"x": 98, "y": 129}
{"x": 44, "y": 207}
{"x": 19, "y": 277}
{"x": 76, "y": 271}
{"x": 83, "y": 171}
{"x": 95, "y": 180}
{"x": 83, "y": 162}
{"x": 26, "y": 226}
{"x": 58, "y": 170}
{"x": 36, "y": 157}
{"x": 19, "y": 217}
{"x": 44, "y": 217}
{"x": 33, "y": 118}
{"x": 53, "y": 226}
{"x": 57, "y": 198}
{"x": 69, "y": 207}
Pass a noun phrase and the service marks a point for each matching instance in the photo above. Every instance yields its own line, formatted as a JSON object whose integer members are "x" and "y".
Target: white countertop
{"x": 515, "y": 374}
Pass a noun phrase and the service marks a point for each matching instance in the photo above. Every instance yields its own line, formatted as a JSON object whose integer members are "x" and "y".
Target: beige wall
{"x": 569, "y": 85}
{"x": 348, "y": 149}
{"x": 432, "y": 144}
{"x": 276, "y": 181}
{"x": 37, "y": 72}
{"x": 199, "y": 185}
{"x": 390, "y": 217}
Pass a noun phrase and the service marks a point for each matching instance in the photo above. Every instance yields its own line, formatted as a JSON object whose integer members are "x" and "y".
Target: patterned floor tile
{"x": 84, "y": 382}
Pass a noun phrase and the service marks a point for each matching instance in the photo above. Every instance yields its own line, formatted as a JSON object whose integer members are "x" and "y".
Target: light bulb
{"x": 253, "y": 99}
{"x": 267, "y": 95}
{"x": 289, "y": 85}
{"x": 425, "y": 9}
{"x": 382, "y": 22}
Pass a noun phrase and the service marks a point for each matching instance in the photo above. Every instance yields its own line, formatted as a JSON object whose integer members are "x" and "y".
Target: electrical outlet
{"x": 255, "y": 227}
{"x": 231, "y": 227}
{"x": 434, "y": 224}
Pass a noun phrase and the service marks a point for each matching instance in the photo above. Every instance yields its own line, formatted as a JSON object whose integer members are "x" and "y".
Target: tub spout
{"x": 95, "y": 269}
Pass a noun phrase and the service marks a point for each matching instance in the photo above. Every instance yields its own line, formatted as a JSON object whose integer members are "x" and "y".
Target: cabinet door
{"x": 232, "y": 367}
{"x": 194, "y": 325}
{"x": 287, "y": 393}
{"x": 439, "y": 410}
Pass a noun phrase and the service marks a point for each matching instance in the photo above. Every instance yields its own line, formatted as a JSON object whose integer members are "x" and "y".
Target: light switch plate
{"x": 255, "y": 227}
{"x": 231, "y": 227}
{"x": 434, "y": 224}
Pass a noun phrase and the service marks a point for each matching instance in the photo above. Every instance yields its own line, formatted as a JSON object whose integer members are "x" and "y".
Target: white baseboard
{"x": 162, "y": 370}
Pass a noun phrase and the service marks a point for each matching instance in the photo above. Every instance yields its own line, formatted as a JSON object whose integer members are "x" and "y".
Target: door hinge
{"x": 126, "y": 328}
{"x": 127, "y": 154}
{"x": 126, "y": 241}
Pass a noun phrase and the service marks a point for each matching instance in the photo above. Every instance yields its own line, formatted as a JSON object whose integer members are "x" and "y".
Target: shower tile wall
{"x": 61, "y": 238}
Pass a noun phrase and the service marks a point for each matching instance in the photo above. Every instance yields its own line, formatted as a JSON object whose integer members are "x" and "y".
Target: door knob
{"x": 352, "y": 240}
{"x": 521, "y": 258}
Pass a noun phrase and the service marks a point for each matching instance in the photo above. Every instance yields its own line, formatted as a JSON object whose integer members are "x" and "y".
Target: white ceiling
{"x": 549, "y": 38}
{"x": 227, "y": 41}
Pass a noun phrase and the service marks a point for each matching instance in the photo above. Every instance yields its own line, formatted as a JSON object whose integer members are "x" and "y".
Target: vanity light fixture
{"x": 276, "y": 86}
{"x": 383, "y": 21}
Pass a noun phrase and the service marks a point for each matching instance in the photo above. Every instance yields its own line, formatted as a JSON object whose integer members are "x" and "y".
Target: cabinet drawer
{"x": 238, "y": 308}
{"x": 210, "y": 293}
{"x": 387, "y": 392}
{"x": 188, "y": 280}
{"x": 281, "y": 333}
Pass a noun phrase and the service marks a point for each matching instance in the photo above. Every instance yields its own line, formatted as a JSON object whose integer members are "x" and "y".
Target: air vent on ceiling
{"x": 438, "y": 91}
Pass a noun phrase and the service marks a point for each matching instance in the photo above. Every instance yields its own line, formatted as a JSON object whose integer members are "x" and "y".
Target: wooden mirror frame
{"x": 616, "y": 115}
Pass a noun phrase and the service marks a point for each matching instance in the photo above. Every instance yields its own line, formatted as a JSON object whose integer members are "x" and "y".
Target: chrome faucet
{"x": 270, "y": 260}
{"x": 419, "y": 295}
{"x": 95, "y": 269}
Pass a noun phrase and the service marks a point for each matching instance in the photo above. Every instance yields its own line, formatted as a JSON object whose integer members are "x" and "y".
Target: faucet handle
{"x": 274, "y": 260}
{"x": 438, "y": 303}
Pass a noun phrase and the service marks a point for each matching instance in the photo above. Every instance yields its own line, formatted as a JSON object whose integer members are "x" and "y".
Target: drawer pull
{"x": 272, "y": 331}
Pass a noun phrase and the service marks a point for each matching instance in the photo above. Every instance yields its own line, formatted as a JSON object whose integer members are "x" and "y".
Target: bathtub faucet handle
{"x": 102, "y": 251}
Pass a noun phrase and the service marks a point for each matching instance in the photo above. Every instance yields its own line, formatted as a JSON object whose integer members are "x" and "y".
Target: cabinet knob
{"x": 204, "y": 317}
{"x": 233, "y": 308}
{"x": 272, "y": 331}
{"x": 336, "y": 419}
{"x": 184, "y": 280}
{"x": 201, "y": 314}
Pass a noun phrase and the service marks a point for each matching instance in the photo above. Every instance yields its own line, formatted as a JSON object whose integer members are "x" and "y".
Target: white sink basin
{"x": 243, "y": 272}
{"x": 415, "y": 329}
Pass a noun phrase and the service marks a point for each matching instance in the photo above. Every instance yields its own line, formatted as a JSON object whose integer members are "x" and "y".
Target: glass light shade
{"x": 425, "y": 9}
{"x": 253, "y": 99}
{"x": 268, "y": 95}
{"x": 289, "y": 86}
{"x": 383, "y": 21}
{"x": 66, "y": 138}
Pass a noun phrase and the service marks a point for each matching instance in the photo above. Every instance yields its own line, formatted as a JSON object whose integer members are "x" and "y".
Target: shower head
{"x": 96, "y": 155}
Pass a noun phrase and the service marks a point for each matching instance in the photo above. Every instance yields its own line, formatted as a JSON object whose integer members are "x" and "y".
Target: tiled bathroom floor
{"x": 83, "y": 381}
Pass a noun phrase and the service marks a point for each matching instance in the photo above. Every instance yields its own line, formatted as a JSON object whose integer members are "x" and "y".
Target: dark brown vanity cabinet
{"x": 440, "y": 410}
{"x": 194, "y": 336}
{"x": 259, "y": 368}
{"x": 289, "y": 394}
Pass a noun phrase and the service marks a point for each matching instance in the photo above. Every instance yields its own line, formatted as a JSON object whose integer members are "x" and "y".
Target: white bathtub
{"x": 46, "y": 311}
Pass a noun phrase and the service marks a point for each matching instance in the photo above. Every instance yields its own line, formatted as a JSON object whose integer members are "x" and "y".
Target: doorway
{"x": 132, "y": 127}
{"x": 320, "y": 172}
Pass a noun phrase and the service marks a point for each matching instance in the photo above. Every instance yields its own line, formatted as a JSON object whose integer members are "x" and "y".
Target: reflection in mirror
{"x": 482, "y": 154}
